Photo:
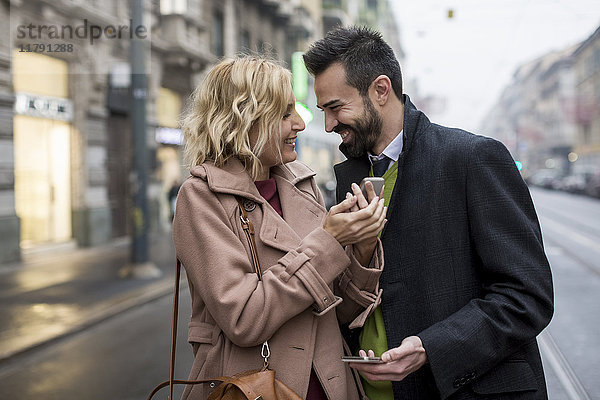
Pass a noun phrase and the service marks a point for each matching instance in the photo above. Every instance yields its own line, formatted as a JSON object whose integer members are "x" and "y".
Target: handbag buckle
{"x": 265, "y": 352}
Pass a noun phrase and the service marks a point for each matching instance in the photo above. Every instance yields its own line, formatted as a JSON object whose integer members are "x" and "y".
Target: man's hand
{"x": 398, "y": 363}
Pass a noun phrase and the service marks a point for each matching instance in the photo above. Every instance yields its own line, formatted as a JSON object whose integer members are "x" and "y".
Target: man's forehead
{"x": 330, "y": 86}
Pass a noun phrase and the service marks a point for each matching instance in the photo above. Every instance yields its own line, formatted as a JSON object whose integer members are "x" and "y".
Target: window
{"x": 218, "y": 47}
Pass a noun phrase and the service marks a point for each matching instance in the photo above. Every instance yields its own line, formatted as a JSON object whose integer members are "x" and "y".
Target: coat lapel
{"x": 298, "y": 207}
{"x": 300, "y": 210}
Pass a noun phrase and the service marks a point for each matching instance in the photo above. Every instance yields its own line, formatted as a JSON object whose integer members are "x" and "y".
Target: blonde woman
{"x": 240, "y": 133}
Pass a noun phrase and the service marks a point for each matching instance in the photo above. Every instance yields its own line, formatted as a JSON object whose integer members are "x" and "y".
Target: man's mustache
{"x": 340, "y": 127}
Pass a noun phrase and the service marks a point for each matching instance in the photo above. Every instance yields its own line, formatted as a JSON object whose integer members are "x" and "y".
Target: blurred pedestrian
{"x": 467, "y": 286}
{"x": 172, "y": 197}
{"x": 239, "y": 141}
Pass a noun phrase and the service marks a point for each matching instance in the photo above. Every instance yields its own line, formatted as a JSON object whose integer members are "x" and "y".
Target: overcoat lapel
{"x": 350, "y": 171}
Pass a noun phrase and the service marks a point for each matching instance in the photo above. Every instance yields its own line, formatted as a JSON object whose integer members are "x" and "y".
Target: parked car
{"x": 593, "y": 185}
{"x": 575, "y": 182}
{"x": 546, "y": 178}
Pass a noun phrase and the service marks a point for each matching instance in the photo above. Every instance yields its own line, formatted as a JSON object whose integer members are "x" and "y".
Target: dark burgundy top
{"x": 268, "y": 190}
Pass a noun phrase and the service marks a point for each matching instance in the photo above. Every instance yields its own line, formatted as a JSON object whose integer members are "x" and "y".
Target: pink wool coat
{"x": 310, "y": 282}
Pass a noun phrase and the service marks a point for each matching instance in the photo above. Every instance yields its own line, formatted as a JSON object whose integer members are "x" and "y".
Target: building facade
{"x": 549, "y": 115}
{"x": 65, "y": 128}
{"x": 587, "y": 105}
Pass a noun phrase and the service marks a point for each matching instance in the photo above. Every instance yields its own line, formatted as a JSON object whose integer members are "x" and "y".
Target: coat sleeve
{"x": 216, "y": 261}
{"x": 517, "y": 300}
{"x": 358, "y": 285}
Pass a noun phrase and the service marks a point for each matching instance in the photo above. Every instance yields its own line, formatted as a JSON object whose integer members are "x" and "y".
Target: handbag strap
{"x": 248, "y": 228}
{"x": 173, "y": 333}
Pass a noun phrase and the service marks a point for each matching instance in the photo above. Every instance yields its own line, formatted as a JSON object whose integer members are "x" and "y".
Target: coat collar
{"x": 354, "y": 169}
{"x": 298, "y": 207}
{"x": 415, "y": 122}
{"x": 233, "y": 179}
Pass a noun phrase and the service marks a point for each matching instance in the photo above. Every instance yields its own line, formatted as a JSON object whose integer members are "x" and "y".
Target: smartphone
{"x": 377, "y": 182}
{"x": 363, "y": 360}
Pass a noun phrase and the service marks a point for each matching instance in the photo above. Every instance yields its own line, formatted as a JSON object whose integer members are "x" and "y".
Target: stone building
{"x": 549, "y": 116}
{"x": 65, "y": 127}
{"x": 587, "y": 106}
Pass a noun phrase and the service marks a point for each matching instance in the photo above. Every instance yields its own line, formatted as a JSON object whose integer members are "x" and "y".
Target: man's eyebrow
{"x": 328, "y": 104}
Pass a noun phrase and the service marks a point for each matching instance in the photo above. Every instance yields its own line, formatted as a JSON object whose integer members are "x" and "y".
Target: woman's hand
{"x": 349, "y": 227}
{"x": 363, "y": 250}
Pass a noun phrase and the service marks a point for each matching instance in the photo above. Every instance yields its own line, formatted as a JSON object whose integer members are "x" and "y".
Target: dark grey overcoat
{"x": 465, "y": 265}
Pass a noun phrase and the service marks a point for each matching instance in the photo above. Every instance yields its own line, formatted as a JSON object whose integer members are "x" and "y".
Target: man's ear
{"x": 382, "y": 88}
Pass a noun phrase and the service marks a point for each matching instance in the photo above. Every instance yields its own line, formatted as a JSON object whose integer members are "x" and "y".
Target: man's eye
{"x": 333, "y": 108}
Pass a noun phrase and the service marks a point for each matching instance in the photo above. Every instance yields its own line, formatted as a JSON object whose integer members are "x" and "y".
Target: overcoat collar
{"x": 298, "y": 207}
{"x": 415, "y": 122}
{"x": 354, "y": 169}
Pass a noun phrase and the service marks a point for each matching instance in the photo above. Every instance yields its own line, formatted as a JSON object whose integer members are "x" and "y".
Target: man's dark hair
{"x": 363, "y": 53}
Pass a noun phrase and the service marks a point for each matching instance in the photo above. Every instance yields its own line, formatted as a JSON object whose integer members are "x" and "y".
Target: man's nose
{"x": 330, "y": 122}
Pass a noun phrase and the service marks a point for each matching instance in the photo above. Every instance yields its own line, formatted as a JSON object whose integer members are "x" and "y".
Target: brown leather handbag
{"x": 259, "y": 384}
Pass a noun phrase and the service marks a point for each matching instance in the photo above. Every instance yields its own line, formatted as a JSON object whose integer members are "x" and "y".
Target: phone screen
{"x": 365, "y": 360}
{"x": 377, "y": 185}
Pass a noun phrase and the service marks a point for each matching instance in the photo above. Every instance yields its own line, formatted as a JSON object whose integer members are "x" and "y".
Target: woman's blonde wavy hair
{"x": 235, "y": 95}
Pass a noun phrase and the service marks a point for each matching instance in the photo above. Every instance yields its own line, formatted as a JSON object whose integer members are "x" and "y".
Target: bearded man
{"x": 466, "y": 284}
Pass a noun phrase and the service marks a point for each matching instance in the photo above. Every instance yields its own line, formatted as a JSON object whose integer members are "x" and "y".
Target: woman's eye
{"x": 286, "y": 116}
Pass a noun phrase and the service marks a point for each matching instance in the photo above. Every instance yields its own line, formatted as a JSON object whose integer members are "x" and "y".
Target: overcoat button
{"x": 212, "y": 385}
{"x": 249, "y": 205}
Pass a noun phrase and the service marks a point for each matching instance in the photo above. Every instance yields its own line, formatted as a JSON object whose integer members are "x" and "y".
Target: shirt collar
{"x": 392, "y": 151}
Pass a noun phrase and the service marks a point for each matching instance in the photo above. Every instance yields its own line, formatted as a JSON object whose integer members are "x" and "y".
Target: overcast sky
{"x": 470, "y": 58}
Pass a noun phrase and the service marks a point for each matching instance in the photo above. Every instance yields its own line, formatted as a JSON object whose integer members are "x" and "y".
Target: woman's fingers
{"x": 361, "y": 201}
{"x": 344, "y": 206}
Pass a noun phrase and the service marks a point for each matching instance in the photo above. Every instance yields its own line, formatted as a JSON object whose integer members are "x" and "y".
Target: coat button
{"x": 212, "y": 385}
{"x": 249, "y": 205}
{"x": 325, "y": 299}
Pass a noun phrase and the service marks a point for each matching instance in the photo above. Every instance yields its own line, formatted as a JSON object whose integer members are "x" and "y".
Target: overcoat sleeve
{"x": 248, "y": 311}
{"x": 517, "y": 301}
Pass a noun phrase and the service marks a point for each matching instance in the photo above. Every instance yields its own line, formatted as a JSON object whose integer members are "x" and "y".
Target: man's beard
{"x": 366, "y": 131}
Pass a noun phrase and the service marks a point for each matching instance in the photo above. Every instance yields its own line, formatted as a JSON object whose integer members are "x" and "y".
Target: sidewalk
{"x": 49, "y": 296}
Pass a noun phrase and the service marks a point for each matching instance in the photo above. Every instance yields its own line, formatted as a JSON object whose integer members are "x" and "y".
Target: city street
{"x": 570, "y": 344}
{"x": 126, "y": 355}
{"x": 122, "y": 359}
